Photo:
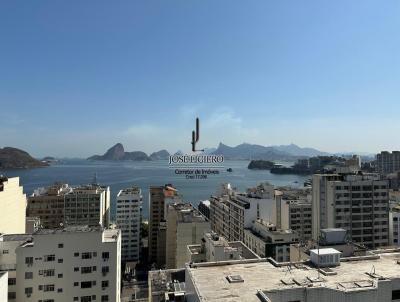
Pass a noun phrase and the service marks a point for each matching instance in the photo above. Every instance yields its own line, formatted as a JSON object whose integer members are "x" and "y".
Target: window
{"x": 86, "y": 284}
{"x": 396, "y": 294}
{"x": 104, "y": 298}
{"x": 28, "y": 275}
{"x": 105, "y": 270}
{"x": 48, "y": 288}
{"x": 48, "y": 300}
{"x": 86, "y": 299}
{"x": 104, "y": 284}
{"x": 76, "y": 283}
{"x": 59, "y": 275}
{"x": 76, "y": 269}
{"x": 60, "y": 260}
{"x": 12, "y": 281}
{"x": 86, "y": 255}
{"x": 29, "y": 260}
{"x": 60, "y": 245}
{"x": 76, "y": 298}
{"x": 48, "y": 273}
{"x": 86, "y": 270}
{"x": 59, "y": 290}
{"x": 28, "y": 290}
{"x": 49, "y": 258}
{"x": 76, "y": 254}
{"x": 5, "y": 251}
{"x": 106, "y": 255}
{"x": 12, "y": 295}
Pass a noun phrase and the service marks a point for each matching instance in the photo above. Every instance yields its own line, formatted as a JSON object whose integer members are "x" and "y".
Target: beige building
{"x": 72, "y": 264}
{"x": 358, "y": 203}
{"x": 12, "y": 206}
{"x": 231, "y": 212}
{"x": 266, "y": 240}
{"x": 8, "y": 260}
{"x": 48, "y": 205}
{"x": 185, "y": 226}
{"x": 87, "y": 205}
{"x": 159, "y": 198}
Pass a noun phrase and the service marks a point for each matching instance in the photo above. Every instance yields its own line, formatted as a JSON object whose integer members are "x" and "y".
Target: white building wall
{"x": 72, "y": 261}
{"x": 3, "y": 286}
{"x": 13, "y": 207}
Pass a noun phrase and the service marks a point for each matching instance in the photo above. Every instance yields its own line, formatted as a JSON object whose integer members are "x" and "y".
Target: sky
{"x": 77, "y": 77}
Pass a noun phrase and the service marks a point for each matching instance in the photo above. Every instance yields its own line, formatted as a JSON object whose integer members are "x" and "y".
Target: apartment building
{"x": 3, "y": 286}
{"x": 8, "y": 260}
{"x": 87, "y": 205}
{"x": 231, "y": 212}
{"x": 73, "y": 264}
{"x": 293, "y": 210}
{"x": 128, "y": 219}
{"x": 394, "y": 225}
{"x": 387, "y": 162}
{"x": 204, "y": 208}
{"x": 359, "y": 279}
{"x": 185, "y": 226}
{"x": 12, "y": 205}
{"x": 48, "y": 205}
{"x": 214, "y": 248}
{"x": 159, "y": 198}
{"x": 358, "y": 203}
{"x": 266, "y": 240}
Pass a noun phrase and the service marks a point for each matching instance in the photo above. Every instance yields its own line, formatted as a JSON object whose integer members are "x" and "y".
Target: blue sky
{"x": 79, "y": 76}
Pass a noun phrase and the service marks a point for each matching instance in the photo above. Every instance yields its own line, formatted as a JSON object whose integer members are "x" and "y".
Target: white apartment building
{"x": 394, "y": 225}
{"x": 266, "y": 240}
{"x": 8, "y": 260}
{"x": 128, "y": 219}
{"x": 185, "y": 226}
{"x": 3, "y": 286}
{"x": 358, "y": 203}
{"x": 12, "y": 206}
{"x": 293, "y": 210}
{"x": 87, "y": 205}
{"x": 73, "y": 264}
{"x": 232, "y": 212}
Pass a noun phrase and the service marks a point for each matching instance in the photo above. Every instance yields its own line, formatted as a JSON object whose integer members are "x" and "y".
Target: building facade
{"x": 387, "y": 162}
{"x": 185, "y": 226}
{"x": 12, "y": 205}
{"x": 74, "y": 264}
{"x": 358, "y": 203}
{"x": 128, "y": 219}
{"x": 48, "y": 205}
{"x": 231, "y": 212}
{"x": 87, "y": 205}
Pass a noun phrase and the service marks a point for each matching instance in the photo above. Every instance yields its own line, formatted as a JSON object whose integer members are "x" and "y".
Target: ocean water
{"x": 119, "y": 175}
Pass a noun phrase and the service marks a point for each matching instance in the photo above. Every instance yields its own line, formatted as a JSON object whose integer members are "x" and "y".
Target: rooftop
{"x": 349, "y": 276}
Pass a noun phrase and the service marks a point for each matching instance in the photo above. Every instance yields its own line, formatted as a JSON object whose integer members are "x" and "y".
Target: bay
{"x": 120, "y": 175}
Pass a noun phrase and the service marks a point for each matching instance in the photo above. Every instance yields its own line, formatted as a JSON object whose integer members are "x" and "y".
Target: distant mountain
{"x": 162, "y": 154}
{"x": 298, "y": 151}
{"x": 13, "y": 158}
{"x": 117, "y": 152}
{"x": 248, "y": 151}
{"x": 271, "y": 153}
{"x": 209, "y": 150}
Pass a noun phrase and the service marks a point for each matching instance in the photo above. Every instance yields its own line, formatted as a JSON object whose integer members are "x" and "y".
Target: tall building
{"x": 159, "y": 198}
{"x": 185, "y": 226}
{"x": 12, "y": 206}
{"x": 293, "y": 211}
{"x": 231, "y": 212}
{"x": 266, "y": 240}
{"x": 48, "y": 205}
{"x": 8, "y": 260}
{"x": 74, "y": 264}
{"x": 3, "y": 286}
{"x": 394, "y": 225}
{"x": 128, "y": 219}
{"x": 87, "y": 205}
{"x": 358, "y": 203}
{"x": 204, "y": 208}
{"x": 387, "y": 162}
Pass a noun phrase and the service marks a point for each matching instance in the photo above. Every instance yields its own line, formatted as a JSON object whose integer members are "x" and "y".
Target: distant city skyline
{"x": 76, "y": 79}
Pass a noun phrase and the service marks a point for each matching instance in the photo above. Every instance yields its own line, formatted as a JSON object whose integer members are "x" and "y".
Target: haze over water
{"x": 119, "y": 175}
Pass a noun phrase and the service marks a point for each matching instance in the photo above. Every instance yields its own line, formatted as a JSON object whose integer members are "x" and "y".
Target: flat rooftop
{"x": 212, "y": 283}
